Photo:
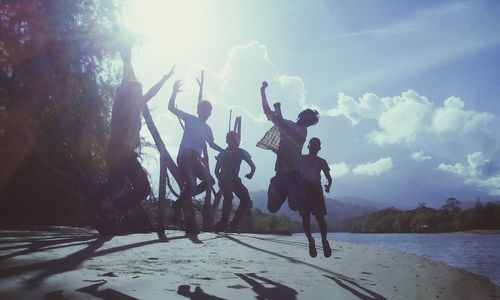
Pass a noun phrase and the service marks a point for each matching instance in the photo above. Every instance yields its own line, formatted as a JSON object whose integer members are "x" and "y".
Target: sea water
{"x": 478, "y": 253}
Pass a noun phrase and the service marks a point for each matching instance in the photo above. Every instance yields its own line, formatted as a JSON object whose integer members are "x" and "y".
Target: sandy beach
{"x": 72, "y": 263}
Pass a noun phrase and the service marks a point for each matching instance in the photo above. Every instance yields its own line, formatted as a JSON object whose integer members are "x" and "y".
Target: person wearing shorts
{"x": 227, "y": 171}
{"x": 314, "y": 203}
{"x": 286, "y": 139}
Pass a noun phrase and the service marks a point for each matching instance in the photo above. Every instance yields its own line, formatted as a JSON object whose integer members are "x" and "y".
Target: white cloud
{"x": 369, "y": 106}
{"x": 293, "y": 87}
{"x": 339, "y": 170}
{"x": 472, "y": 169}
{"x": 420, "y": 156}
{"x": 492, "y": 184}
{"x": 473, "y": 172}
{"x": 374, "y": 168}
{"x": 236, "y": 85}
{"x": 403, "y": 119}
{"x": 453, "y": 119}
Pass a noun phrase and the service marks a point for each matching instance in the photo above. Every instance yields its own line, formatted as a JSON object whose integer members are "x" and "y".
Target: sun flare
{"x": 171, "y": 27}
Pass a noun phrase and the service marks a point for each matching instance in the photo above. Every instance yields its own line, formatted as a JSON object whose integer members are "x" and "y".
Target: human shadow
{"x": 356, "y": 289}
{"x": 46, "y": 244}
{"x": 69, "y": 262}
{"x": 197, "y": 294}
{"x": 277, "y": 292}
{"x": 105, "y": 294}
{"x": 335, "y": 275}
{"x": 288, "y": 258}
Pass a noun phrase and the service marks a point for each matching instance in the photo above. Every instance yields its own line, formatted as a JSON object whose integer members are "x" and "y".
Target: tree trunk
{"x": 166, "y": 162}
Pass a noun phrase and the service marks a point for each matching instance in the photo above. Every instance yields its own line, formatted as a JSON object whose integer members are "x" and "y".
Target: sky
{"x": 407, "y": 92}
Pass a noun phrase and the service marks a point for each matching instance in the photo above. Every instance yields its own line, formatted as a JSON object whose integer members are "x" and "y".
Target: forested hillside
{"x": 425, "y": 219}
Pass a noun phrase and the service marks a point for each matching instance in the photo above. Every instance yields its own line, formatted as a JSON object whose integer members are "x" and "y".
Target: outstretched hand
{"x": 177, "y": 86}
{"x": 169, "y": 74}
{"x": 327, "y": 188}
{"x": 249, "y": 175}
{"x": 264, "y": 85}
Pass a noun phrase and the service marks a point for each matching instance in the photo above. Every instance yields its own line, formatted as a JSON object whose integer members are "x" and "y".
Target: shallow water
{"x": 478, "y": 253}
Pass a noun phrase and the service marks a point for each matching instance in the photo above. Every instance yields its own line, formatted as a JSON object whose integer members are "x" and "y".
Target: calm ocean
{"x": 478, "y": 253}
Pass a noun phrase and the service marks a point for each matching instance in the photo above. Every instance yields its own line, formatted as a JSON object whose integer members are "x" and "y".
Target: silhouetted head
{"x": 314, "y": 145}
{"x": 308, "y": 117}
{"x": 204, "y": 110}
{"x": 233, "y": 139}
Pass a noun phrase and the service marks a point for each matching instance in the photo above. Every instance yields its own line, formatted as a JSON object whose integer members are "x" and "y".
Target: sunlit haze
{"x": 406, "y": 93}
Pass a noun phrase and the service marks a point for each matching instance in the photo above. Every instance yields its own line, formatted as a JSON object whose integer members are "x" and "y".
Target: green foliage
{"x": 56, "y": 84}
{"x": 264, "y": 223}
{"x": 425, "y": 219}
{"x": 258, "y": 222}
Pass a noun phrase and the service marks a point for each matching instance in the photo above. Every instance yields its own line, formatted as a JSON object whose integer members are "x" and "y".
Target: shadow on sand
{"x": 43, "y": 242}
{"x": 197, "y": 294}
{"x": 343, "y": 281}
{"x": 277, "y": 292}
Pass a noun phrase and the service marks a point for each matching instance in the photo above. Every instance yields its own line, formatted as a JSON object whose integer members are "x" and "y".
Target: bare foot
{"x": 327, "y": 251}
{"x": 312, "y": 248}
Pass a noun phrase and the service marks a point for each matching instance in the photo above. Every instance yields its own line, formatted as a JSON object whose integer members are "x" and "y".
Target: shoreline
{"x": 479, "y": 260}
{"x": 478, "y": 231}
{"x": 73, "y": 263}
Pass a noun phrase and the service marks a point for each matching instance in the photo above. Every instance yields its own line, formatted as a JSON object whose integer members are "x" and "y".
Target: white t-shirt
{"x": 196, "y": 133}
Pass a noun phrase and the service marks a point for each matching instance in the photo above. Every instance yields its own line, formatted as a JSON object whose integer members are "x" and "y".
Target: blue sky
{"x": 408, "y": 91}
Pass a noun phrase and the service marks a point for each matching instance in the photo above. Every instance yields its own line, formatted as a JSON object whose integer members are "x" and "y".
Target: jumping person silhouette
{"x": 314, "y": 203}
{"x": 227, "y": 171}
{"x": 196, "y": 134}
{"x": 286, "y": 139}
{"x": 121, "y": 158}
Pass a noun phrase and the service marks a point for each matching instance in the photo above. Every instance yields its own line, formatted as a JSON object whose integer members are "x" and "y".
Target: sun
{"x": 171, "y": 27}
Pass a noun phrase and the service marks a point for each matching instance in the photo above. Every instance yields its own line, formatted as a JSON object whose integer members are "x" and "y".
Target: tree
{"x": 422, "y": 205}
{"x": 451, "y": 204}
{"x": 56, "y": 84}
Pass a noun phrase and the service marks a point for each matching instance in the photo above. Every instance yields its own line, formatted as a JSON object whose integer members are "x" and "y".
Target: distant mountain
{"x": 337, "y": 211}
{"x": 362, "y": 202}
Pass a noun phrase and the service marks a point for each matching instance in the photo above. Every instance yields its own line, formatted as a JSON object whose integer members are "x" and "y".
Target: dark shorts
{"x": 228, "y": 187}
{"x": 283, "y": 186}
{"x": 191, "y": 167}
{"x": 314, "y": 201}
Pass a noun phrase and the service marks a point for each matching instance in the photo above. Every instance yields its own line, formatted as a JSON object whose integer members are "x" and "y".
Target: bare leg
{"x": 207, "y": 181}
{"x": 140, "y": 186}
{"x": 327, "y": 251}
{"x": 242, "y": 192}
{"x": 306, "y": 217}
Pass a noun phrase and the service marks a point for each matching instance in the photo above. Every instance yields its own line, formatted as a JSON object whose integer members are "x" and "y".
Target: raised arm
{"x": 156, "y": 88}
{"x": 249, "y": 161}
{"x": 214, "y": 146}
{"x": 265, "y": 103}
{"x": 275, "y": 117}
{"x": 171, "y": 103}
